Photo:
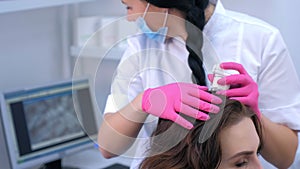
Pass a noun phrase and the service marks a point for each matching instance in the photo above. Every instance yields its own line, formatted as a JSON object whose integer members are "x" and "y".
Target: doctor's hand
{"x": 190, "y": 99}
{"x": 242, "y": 87}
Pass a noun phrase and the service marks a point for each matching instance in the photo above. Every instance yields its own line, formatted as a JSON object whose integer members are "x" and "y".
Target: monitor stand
{"x": 56, "y": 165}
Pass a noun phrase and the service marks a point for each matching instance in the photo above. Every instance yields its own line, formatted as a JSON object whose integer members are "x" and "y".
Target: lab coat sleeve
{"x": 279, "y": 86}
{"x": 126, "y": 82}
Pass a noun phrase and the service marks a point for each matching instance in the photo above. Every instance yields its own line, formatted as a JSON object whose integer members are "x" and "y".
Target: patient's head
{"x": 235, "y": 143}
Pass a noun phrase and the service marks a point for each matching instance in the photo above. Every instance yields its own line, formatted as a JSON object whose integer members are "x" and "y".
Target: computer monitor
{"x": 43, "y": 124}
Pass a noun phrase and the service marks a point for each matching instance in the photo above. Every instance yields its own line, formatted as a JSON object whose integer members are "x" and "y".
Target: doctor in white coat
{"x": 154, "y": 80}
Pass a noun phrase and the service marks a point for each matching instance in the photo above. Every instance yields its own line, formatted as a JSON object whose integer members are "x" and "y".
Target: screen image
{"x": 59, "y": 108}
{"x": 46, "y": 123}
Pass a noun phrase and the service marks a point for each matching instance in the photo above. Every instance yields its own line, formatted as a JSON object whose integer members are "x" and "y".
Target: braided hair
{"x": 195, "y": 17}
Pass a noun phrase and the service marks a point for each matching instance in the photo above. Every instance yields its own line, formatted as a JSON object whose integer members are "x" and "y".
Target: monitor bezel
{"x": 56, "y": 152}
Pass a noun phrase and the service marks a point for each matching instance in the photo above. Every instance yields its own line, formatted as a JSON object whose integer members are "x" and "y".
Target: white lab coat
{"x": 235, "y": 37}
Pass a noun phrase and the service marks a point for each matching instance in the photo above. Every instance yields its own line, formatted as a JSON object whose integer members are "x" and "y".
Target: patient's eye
{"x": 241, "y": 163}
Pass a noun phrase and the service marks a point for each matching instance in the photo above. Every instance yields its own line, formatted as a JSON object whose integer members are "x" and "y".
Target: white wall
{"x": 31, "y": 43}
{"x": 282, "y": 14}
{"x": 30, "y": 48}
{"x": 100, "y": 7}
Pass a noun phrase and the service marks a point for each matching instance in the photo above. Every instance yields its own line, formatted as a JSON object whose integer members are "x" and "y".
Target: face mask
{"x": 159, "y": 35}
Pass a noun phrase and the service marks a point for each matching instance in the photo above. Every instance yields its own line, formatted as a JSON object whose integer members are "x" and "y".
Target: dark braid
{"x": 195, "y": 18}
{"x": 194, "y": 40}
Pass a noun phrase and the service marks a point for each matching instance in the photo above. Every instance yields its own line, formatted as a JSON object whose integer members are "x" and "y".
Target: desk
{"x": 92, "y": 159}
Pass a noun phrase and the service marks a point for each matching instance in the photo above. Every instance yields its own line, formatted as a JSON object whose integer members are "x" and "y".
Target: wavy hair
{"x": 189, "y": 153}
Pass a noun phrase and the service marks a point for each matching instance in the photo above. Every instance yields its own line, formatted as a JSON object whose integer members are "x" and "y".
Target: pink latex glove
{"x": 242, "y": 86}
{"x": 190, "y": 99}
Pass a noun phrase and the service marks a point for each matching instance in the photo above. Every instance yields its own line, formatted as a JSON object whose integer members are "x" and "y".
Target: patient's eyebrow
{"x": 241, "y": 154}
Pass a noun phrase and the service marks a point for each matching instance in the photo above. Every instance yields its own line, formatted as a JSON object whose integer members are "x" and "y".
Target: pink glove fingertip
{"x": 203, "y": 117}
{"x": 204, "y": 88}
{"x": 189, "y": 126}
{"x": 184, "y": 123}
{"x": 210, "y": 77}
{"x": 225, "y": 65}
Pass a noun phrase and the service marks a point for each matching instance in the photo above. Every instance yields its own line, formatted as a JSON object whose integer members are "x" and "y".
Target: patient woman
{"x": 235, "y": 143}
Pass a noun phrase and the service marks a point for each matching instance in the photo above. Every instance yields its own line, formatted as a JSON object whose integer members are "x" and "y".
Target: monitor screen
{"x": 43, "y": 124}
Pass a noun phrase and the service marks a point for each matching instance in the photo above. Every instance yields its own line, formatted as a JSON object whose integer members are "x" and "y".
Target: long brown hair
{"x": 189, "y": 153}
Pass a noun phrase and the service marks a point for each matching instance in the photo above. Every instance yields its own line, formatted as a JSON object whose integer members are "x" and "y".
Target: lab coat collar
{"x": 210, "y": 27}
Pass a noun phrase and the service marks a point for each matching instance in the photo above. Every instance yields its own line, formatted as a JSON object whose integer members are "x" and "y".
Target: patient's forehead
{"x": 241, "y": 136}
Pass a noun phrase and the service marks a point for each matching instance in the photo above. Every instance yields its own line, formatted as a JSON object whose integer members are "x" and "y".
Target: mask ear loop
{"x": 166, "y": 17}
{"x": 146, "y": 10}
